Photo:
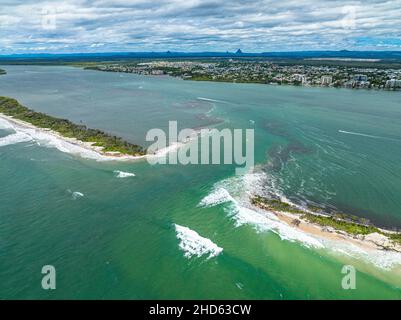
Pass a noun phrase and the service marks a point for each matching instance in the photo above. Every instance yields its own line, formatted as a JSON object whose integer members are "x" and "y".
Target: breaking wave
{"x": 218, "y": 196}
{"x": 211, "y": 100}
{"x": 14, "y": 138}
{"x": 234, "y": 194}
{"x": 194, "y": 245}
{"x": 269, "y": 222}
{"x": 122, "y": 174}
{"x": 383, "y": 259}
{"x": 240, "y": 211}
{"x": 4, "y": 124}
{"x": 41, "y": 136}
{"x": 75, "y": 194}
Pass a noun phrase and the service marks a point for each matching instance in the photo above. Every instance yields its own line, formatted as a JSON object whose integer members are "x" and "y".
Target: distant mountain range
{"x": 384, "y": 55}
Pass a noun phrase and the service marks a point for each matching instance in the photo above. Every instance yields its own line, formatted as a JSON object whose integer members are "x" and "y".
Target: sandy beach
{"x": 374, "y": 241}
{"x": 52, "y": 138}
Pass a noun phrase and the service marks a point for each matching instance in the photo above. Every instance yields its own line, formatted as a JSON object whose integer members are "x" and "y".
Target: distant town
{"x": 266, "y": 72}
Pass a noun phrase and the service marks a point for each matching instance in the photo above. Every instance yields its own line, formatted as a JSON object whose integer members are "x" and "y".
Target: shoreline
{"x": 369, "y": 241}
{"x": 94, "y": 141}
{"x": 274, "y": 84}
{"x": 77, "y": 147}
{"x": 373, "y": 240}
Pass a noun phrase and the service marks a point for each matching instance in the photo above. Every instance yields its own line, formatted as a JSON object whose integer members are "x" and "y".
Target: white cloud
{"x": 198, "y": 25}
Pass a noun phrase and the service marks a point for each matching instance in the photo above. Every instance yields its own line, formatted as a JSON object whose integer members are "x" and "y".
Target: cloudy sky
{"x": 32, "y": 26}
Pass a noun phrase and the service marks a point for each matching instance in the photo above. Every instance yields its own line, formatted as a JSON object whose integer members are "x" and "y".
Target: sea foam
{"x": 4, "y": 124}
{"x": 14, "y": 138}
{"x": 386, "y": 260}
{"x": 194, "y": 245}
{"x": 240, "y": 212}
{"x": 75, "y": 194}
{"x": 48, "y": 139}
{"x": 233, "y": 194}
{"x": 216, "y": 197}
{"x": 122, "y": 174}
{"x": 211, "y": 100}
{"x": 266, "y": 221}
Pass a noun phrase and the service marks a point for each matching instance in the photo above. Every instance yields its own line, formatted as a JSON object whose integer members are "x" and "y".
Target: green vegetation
{"x": 66, "y": 128}
{"x": 396, "y": 237}
{"x": 275, "y": 205}
{"x": 339, "y": 221}
{"x": 349, "y": 227}
{"x": 298, "y": 72}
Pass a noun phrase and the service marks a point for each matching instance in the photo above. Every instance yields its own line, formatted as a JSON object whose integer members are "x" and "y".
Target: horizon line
{"x": 196, "y": 52}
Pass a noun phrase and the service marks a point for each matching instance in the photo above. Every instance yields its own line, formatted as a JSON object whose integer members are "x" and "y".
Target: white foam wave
{"x": 76, "y": 194}
{"x": 72, "y": 146}
{"x": 14, "y": 138}
{"x": 64, "y": 146}
{"x": 218, "y": 196}
{"x": 50, "y": 139}
{"x": 211, "y": 100}
{"x": 195, "y": 245}
{"x": 261, "y": 221}
{"x": 234, "y": 193}
{"x": 382, "y": 259}
{"x": 238, "y": 187}
{"x": 239, "y": 285}
{"x": 269, "y": 222}
{"x": 4, "y": 124}
{"x": 122, "y": 174}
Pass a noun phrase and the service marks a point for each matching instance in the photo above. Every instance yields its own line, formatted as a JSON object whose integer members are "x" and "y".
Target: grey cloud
{"x": 141, "y": 25}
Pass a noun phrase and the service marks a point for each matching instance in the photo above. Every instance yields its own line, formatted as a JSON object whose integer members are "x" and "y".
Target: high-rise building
{"x": 393, "y": 84}
{"x": 326, "y": 80}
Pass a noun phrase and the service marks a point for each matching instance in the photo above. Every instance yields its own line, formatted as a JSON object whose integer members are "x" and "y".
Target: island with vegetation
{"x": 108, "y": 144}
{"x": 337, "y": 222}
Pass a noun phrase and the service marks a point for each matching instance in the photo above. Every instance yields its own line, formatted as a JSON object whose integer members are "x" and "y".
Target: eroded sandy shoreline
{"x": 75, "y": 146}
{"x": 373, "y": 241}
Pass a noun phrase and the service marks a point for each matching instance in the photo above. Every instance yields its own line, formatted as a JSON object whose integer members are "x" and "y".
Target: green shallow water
{"x": 119, "y": 241}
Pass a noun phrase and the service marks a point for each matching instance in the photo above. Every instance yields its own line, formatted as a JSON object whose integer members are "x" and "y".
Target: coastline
{"x": 202, "y": 78}
{"x": 38, "y": 123}
{"x": 370, "y": 241}
{"x": 75, "y": 146}
{"x": 65, "y": 144}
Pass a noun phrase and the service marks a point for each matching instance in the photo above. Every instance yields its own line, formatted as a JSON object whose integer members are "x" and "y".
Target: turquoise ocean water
{"x": 337, "y": 148}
